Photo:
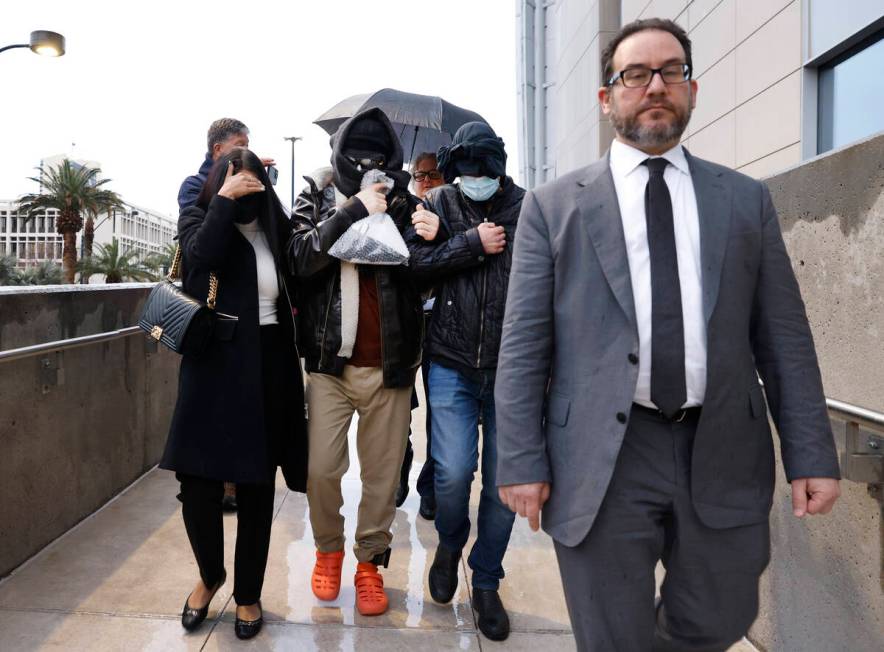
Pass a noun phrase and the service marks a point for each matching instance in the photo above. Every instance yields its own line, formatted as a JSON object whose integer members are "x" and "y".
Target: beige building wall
{"x": 755, "y": 62}
{"x": 747, "y": 62}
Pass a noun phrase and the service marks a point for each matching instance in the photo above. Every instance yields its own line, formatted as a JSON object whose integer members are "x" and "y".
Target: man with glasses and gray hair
{"x": 425, "y": 176}
{"x": 649, "y": 292}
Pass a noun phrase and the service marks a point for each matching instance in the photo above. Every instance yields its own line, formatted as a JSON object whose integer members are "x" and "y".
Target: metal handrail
{"x": 865, "y": 418}
{"x": 63, "y": 345}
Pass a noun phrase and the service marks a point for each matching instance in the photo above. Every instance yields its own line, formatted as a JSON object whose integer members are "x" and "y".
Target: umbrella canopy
{"x": 423, "y": 122}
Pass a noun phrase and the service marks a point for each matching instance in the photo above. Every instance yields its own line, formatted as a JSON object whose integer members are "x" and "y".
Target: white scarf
{"x": 349, "y": 299}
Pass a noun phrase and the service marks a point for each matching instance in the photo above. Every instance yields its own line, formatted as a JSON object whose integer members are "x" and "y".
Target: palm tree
{"x": 74, "y": 191}
{"x": 115, "y": 266}
{"x": 161, "y": 262}
{"x": 44, "y": 273}
{"x": 7, "y": 270}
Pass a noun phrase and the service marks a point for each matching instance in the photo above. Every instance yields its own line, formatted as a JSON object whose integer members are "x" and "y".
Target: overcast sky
{"x": 141, "y": 82}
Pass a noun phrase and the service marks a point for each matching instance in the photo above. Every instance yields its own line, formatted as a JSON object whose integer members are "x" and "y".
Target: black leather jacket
{"x": 470, "y": 286}
{"x": 317, "y": 226}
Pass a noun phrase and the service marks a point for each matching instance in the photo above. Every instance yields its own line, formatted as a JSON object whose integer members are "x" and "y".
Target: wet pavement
{"x": 118, "y": 581}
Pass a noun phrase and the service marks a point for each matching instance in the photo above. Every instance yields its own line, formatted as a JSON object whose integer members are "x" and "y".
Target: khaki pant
{"x": 381, "y": 436}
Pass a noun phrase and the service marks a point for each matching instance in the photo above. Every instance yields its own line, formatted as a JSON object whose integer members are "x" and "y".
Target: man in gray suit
{"x": 648, "y": 292}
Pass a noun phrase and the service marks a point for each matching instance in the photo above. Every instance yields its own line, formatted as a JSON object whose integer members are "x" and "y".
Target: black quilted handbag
{"x": 180, "y": 322}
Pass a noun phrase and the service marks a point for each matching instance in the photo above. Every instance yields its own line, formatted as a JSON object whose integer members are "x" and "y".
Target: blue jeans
{"x": 456, "y": 402}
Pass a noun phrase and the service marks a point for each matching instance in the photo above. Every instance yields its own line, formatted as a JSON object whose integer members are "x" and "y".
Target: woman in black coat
{"x": 240, "y": 411}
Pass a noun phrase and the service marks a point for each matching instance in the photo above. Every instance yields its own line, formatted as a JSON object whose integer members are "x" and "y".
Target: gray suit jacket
{"x": 564, "y": 373}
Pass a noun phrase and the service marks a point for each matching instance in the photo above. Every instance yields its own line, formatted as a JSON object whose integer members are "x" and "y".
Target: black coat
{"x": 470, "y": 286}
{"x": 317, "y": 226}
{"x": 218, "y": 429}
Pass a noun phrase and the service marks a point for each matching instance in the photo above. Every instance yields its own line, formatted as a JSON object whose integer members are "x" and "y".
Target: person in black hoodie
{"x": 469, "y": 260}
{"x": 361, "y": 339}
{"x": 240, "y": 407}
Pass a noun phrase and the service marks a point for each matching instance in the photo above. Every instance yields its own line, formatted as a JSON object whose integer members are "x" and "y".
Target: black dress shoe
{"x": 494, "y": 622}
{"x": 192, "y": 618}
{"x": 427, "y": 509}
{"x": 402, "y": 491}
{"x": 443, "y": 575}
{"x": 246, "y": 629}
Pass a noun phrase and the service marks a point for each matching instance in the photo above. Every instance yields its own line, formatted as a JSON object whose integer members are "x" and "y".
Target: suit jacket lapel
{"x": 600, "y": 212}
{"x": 714, "y": 210}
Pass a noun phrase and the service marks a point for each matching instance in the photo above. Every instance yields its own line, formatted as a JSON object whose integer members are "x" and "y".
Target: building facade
{"x": 29, "y": 242}
{"x": 780, "y": 81}
{"x": 36, "y": 240}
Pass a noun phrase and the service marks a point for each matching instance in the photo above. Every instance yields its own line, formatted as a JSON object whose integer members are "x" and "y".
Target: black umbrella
{"x": 423, "y": 122}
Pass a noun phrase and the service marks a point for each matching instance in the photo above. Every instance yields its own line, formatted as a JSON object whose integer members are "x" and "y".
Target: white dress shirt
{"x": 268, "y": 285}
{"x": 630, "y": 180}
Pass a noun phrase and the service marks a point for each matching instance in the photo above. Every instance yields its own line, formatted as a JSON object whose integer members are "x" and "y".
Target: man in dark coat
{"x": 469, "y": 260}
{"x": 361, "y": 329}
{"x": 224, "y": 134}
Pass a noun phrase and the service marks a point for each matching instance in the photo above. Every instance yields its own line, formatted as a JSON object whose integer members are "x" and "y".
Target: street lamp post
{"x": 50, "y": 44}
{"x": 293, "y": 140}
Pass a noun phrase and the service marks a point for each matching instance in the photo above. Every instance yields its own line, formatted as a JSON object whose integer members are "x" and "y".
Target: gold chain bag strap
{"x": 180, "y": 322}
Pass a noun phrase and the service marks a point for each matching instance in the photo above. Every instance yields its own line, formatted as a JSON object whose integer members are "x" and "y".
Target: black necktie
{"x": 668, "y": 387}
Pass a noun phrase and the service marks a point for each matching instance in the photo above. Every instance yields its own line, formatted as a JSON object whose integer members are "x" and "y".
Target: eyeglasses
{"x": 433, "y": 175}
{"x": 640, "y": 77}
{"x": 363, "y": 164}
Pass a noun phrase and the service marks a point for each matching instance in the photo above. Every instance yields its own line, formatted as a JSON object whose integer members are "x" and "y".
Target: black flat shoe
{"x": 443, "y": 575}
{"x": 427, "y": 509}
{"x": 192, "y": 618}
{"x": 246, "y": 629}
{"x": 493, "y": 622}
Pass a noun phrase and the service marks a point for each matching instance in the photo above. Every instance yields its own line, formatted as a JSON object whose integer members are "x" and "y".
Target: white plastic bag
{"x": 374, "y": 240}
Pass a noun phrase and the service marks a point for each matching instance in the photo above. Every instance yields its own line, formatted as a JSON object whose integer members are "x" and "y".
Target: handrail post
{"x": 863, "y": 461}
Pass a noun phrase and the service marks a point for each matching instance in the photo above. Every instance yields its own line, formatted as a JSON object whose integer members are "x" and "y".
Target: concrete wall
{"x": 822, "y": 590}
{"x": 76, "y": 426}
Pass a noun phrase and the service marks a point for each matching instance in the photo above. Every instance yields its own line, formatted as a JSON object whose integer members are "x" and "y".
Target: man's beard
{"x": 629, "y": 127}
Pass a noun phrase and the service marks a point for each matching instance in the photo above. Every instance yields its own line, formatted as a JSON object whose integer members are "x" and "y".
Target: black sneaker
{"x": 493, "y": 622}
{"x": 443, "y": 575}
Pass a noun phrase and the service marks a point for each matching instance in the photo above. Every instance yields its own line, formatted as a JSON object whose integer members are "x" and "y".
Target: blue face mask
{"x": 479, "y": 188}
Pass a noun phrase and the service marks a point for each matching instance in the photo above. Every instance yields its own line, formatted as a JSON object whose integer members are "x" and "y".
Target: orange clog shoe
{"x": 371, "y": 600}
{"x": 326, "y": 580}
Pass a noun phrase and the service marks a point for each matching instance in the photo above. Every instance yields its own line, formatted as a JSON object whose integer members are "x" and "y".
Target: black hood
{"x": 378, "y": 134}
{"x": 474, "y": 151}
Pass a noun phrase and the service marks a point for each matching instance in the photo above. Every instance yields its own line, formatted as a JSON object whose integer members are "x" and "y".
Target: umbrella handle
{"x": 413, "y": 143}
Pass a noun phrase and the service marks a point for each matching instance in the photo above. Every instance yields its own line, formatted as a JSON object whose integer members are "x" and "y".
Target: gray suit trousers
{"x": 710, "y": 593}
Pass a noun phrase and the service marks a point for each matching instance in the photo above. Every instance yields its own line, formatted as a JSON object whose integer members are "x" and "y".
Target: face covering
{"x": 247, "y": 207}
{"x": 479, "y": 188}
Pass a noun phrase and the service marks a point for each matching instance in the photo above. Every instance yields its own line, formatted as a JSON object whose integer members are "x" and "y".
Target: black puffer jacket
{"x": 471, "y": 286}
{"x": 317, "y": 226}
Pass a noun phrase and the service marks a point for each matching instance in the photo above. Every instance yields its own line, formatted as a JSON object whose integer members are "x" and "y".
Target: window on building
{"x": 851, "y": 94}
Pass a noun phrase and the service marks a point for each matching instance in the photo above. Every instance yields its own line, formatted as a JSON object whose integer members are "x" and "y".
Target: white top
{"x": 630, "y": 180}
{"x": 268, "y": 286}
